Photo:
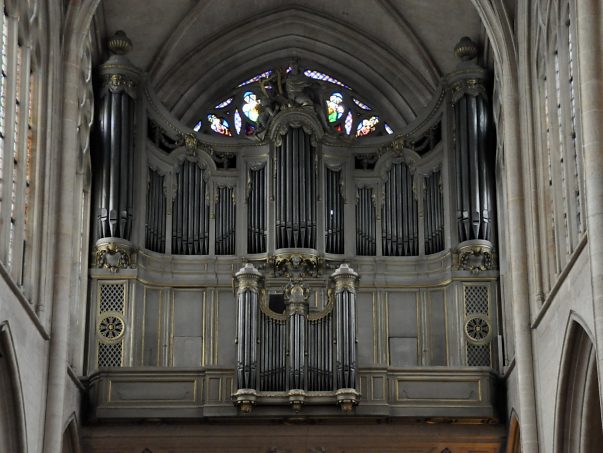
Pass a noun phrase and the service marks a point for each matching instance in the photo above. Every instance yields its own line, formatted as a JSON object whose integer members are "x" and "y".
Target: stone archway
{"x": 578, "y": 419}
{"x": 12, "y": 416}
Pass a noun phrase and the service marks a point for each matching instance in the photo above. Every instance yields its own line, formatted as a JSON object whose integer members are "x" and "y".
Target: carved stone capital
{"x": 114, "y": 254}
{"x": 296, "y": 399}
{"x": 347, "y": 399}
{"x": 248, "y": 278}
{"x": 345, "y": 279}
{"x": 245, "y": 399}
{"x": 474, "y": 256}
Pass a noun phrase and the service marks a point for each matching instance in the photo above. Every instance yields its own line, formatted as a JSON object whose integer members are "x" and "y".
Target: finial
{"x": 466, "y": 49}
{"x": 119, "y": 43}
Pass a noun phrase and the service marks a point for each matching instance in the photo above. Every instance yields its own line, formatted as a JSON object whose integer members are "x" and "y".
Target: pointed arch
{"x": 578, "y": 413}
{"x": 514, "y": 438}
{"x": 13, "y": 433}
{"x": 71, "y": 437}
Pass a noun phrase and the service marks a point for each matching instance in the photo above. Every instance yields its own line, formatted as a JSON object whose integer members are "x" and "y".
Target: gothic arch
{"x": 578, "y": 414}
{"x": 12, "y": 411}
{"x": 514, "y": 437}
{"x": 71, "y": 437}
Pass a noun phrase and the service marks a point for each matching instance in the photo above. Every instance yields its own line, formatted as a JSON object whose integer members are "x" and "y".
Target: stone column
{"x": 590, "y": 35}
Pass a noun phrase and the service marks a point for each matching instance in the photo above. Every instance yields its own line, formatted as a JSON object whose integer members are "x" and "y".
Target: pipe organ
{"x": 365, "y": 222}
{"x": 333, "y": 211}
{"x": 113, "y": 184}
{"x": 190, "y": 211}
{"x": 156, "y": 213}
{"x": 296, "y": 190}
{"x": 381, "y": 249}
{"x": 400, "y": 233}
{"x": 256, "y": 210}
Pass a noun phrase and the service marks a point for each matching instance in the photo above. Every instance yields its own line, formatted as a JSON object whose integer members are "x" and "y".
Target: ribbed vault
{"x": 393, "y": 53}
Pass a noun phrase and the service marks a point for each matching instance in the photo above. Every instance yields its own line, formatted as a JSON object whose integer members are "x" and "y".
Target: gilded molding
{"x": 296, "y": 264}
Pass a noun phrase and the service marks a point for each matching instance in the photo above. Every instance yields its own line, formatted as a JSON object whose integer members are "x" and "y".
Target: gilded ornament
{"x": 111, "y": 327}
{"x": 113, "y": 255}
{"x": 478, "y": 330}
{"x": 475, "y": 257}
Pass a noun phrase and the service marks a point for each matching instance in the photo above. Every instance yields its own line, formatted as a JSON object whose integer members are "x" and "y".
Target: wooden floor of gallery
{"x": 294, "y": 436}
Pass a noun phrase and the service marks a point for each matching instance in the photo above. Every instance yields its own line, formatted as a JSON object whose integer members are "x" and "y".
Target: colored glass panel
{"x": 322, "y": 76}
{"x": 335, "y": 107}
{"x": 197, "y": 127}
{"x": 348, "y": 123}
{"x": 219, "y": 125}
{"x": 263, "y": 75}
{"x": 251, "y": 106}
{"x": 366, "y": 126}
{"x": 362, "y": 105}
{"x": 388, "y": 129}
{"x": 221, "y": 105}
{"x": 237, "y": 121}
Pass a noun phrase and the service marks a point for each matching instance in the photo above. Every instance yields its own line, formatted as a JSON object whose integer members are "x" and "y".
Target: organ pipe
{"x": 400, "y": 219}
{"x": 295, "y": 191}
{"x": 474, "y": 180}
{"x": 190, "y": 218}
{"x": 434, "y": 216}
{"x": 225, "y": 221}
{"x": 156, "y": 213}
{"x": 113, "y": 183}
{"x": 345, "y": 326}
{"x": 247, "y": 280}
{"x": 333, "y": 212}
{"x": 365, "y": 223}
{"x": 256, "y": 211}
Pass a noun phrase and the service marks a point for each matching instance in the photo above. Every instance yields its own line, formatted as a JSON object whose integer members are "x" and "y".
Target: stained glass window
{"x": 335, "y": 107}
{"x": 219, "y": 125}
{"x": 360, "y": 104}
{"x": 223, "y": 104}
{"x": 348, "y": 123}
{"x": 251, "y": 106}
{"x": 322, "y": 76}
{"x": 237, "y": 121}
{"x": 366, "y": 126}
{"x": 263, "y": 75}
